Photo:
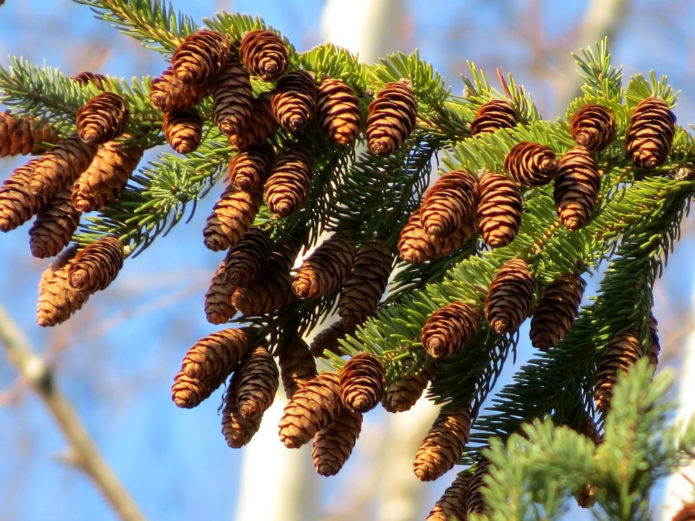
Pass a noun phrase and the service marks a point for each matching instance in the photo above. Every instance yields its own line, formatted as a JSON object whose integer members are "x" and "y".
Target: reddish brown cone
{"x": 362, "y": 382}
{"x": 391, "y": 117}
{"x": 183, "y": 130}
{"x": 325, "y": 269}
{"x": 258, "y": 383}
{"x": 593, "y": 126}
{"x": 493, "y": 115}
{"x": 556, "y": 310}
{"x": 499, "y": 209}
{"x": 268, "y": 292}
{"x": 200, "y": 56}
{"x": 102, "y": 118}
{"x": 576, "y": 188}
{"x": 450, "y": 329}
{"x": 249, "y": 170}
{"x": 170, "y": 94}
{"x": 61, "y": 165}
{"x": 327, "y": 340}
{"x": 293, "y": 101}
{"x": 231, "y": 217}
{"x": 263, "y": 54}
{"x": 509, "y": 296}
{"x": 232, "y": 98}
{"x": 452, "y": 505}
{"x": 652, "y": 127}
{"x": 17, "y": 203}
{"x": 338, "y": 111}
{"x": 416, "y": 246}
{"x": 218, "y": 299}
{"x": 237, "y": 429}
{"x": 297, "y": 365}
{"x": 402, "y": 394}
{"x": 333, "y": 444}
{"x": 247, "y": 258}
{"x": 530, "y": 164}
{"x": 97, "y": 265}
{"x": 287, "y": 187}
{"x": 57, "y": 299}
{"x": 443, "y": 445}
{"x": 24, "y": 135}
{"x": 54, "y": 225}
{"x": 449, "y": 204}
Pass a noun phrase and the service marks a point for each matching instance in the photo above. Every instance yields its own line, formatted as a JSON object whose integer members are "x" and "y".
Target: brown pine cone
{"x": 593, "y": 126}
{"x": 475, "y": 503}
{"x": 97, "y": 265}
{"x": 449, "y": 204}
{"x": 269, "y": 291}
{"x": 218, "y": 299}
{"x": 652, "y": 127}
{"x": 287, "y": 187}
{"x": 232, "y": 98}
{"x": 24, "y": 135}
{"x": 249, "y": 170}
{"x": 102, "y": 118}
{"x": 325, "y": 269}
{"x": 509, "y": 297}
{"x": 327, "y": 340}
{"x": 237, "y": 429}
{"x": 576, "y": 187}
{"x": 391, "y": 117}
{"x": 686, "y": 513}
{"x": 263, "y": 54}
{"x": 54, "y": 225}
{"x": 499, "y": 209}
{"x": 297, "y": 365}
{"x": 246, "y": 259}
{"x": 556, "y": 310}
{"x": 333, "y": 444}
{"x": 618, "y": 356}
{"x": 187, "y": 392}
{"x": 402, "y": 394}
{"x": 314, "y": 406}
{"x": 416, "y": 246}
{"x": 183, "y": 130}
{"x": 200, "y": 56}
{"x": 339, "y": 111}
{"x": 169, "y": 94}
{"x": 293, "y": 101}
{"x": 231, "y": 217}
{"x": 493, "y": 115}
{"x": 57, "y": 299}
{"x": 258, "y": 383}
{"x": 86, "y": 77}
{"x": 450, "y": 329}
{"x": 362, "y": 382}
{"x": 443, "y": 445}
{"x": 258, "y": 128}
{"x": 61, "y": 165}
{"x": 366, "y": 283}
{"x": 452, "y": 505}
{"x": 17, "y": 203}
{"x": 530, "y": 164}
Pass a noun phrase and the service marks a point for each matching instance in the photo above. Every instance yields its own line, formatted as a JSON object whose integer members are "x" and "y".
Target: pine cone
{"x": 333, "y": 444}
{"x": 452, "y": 505}
{"x": 102, "y": 181}
{"x": 325, "y": 269}
{"x": 618, "y": 356}
{"x": 576, "y": 188}
{"x": 24, "y": 135}
{"x": 169, "y": 94}
{"x": 402, "y": 394}
{"x": 297, "y": 365}
{"x": 97, "y": 265}
{"x": 237, "y": 429}
{"x": 556, "y": 310}
{"x": 232, "y": 98}
{"x": 293, "y": 101}
{"x": 102, "y": 118}
{"x": 509, "y": 296}
{"x": 57, "y": 299}
{"x": 263, "y": 54}
{"x": 200, "y": 56}
{"x": 61, "y": 165}
{"x": 493, "y": 115}
{"x": 475, "y": 502}
{"x": 327, "y": 340}
{"x": 362, "y": 382}
{"x": 450, "y": 329}
{"x": 314, "y": 406}
{"x": 652, "y": 127}
{"x": 183, "y": 130}
{"x": 391, "y": 117}
{"x": 246, "y": 259}
{"x": 287, "y": 187}
{"x": 249, "y": 170}
{"x": 86, "y": 77}
{"x": 54, "y": 225}
{"x": 231, "y": 217}
{"x": 258, "y": 383}
{"x": 338, "y": 111}
{"x": 593, "y": 126}
{"x": 187, "y": 392}
{"x": 416, "y": 246}
{"x": 366, "y": 283}
{"x": 686, "y": 513}
{"x": 449, "y": 204}
{"x": 499, "y": 209}
{"x": 268, "y": 292}
{"x": 443, "y": 445}
{"x": 17, "y": 203}
{"x": 530, "y": 164}
{"x": 218, "y": 299}
{"x": 260, "y": 126}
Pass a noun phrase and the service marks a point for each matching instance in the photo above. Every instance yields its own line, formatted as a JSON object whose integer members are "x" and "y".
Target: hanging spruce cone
{"x": 325, "y": 269}
{"x": 231, "y": 217}
{"x": 338, "y": 111}
{"x": 402, "y": 394}
{"x": 258, "y": 383}
{"x": 260, "y": 126}
{"x": 618, "y": 356}
{"x": 287, "y": 187}
{"x": 327, "y": 340}
{"x": 97, "y": 265}
{"x": 686, "y": 513}
{"x": 200, "y": 56}
{"x": 556, "y": 310}
{"x": 237, "y": 429}
{"x": 24, "y": 135}
{"x": 232, "y": 98}
{"x": 218, "y": 299}
{"x": 593, "y": 126}
{"x": 61, "y": 165}
{"x": 499, "y": 209}
{"x": 102, "y": 118}
{"x": 530, "y": 164}
{"x": 475, "y": 503}
{"x": 652, "y": 127}
{"x": 293, "y": 101}
{"x": 249, "y": 170}
{"x": 17, "y": 203}
{"x": 443, "y": 445}
{"x": 391, "y": 118}
{"x": 509, "y": 296}
{"x": 450, "y": 329}
{"x": 493, "y": 115}
{"x": 362, "y": 290}
{"x": 54, "y": 225}
{"x": 187, "y": 392}
{"x": 86, "y": 77}
{"x": 105, "y": 177}
{"x": 362, "y": 382}
{"x": 57, "y": 299}
{"x": 314, "y": 406}
{"x": 246, "y": 259}
{"x": 576, "y": 188}
{"x": 297, "y": 365}
{"x": 263, "y": 54}
{"x": 333, "y": 444}
{"x": 452, "y": 505}
{"x": 183, "y": 130}
{"x": 169, "y": 94}
{"x": 416, "y": 246}
{"x": 449, "y": 204}
{"x": 268, "y": 292}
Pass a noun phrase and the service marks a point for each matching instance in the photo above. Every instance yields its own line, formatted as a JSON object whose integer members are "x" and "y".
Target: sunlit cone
{"x": 652, "y": 127}
{"x": 530, "y": 164}
{"x": 200, "y": 56}
{"x": 246, "y": 259}
{"x": 391, "y": 117}
{"x": 686, "y": 513}
{"x": 237, "y": 429}
{"x": 499, "y": 209}
{"x": 17, "y": 203}
{"x": 268, "y": 292}
{"x": 333, "y": 444}
{"x": 86, "y": 77}
{"x": 54, "y": 225}
{"x": 493, "y": 115}
{"x": 556, "y": 310}
{"x": 258, "y": 383}
{"x": 187, "y": 392}
{"x": 314, "y": 406}
{"x": 231, "y": 217}
{"x": 327, "y": 339}
{"x": 57, "y": 299}
{"x": 97, "y": 265}
{"x": 452, "y": 505}
{"x": 218, "y": 299}
{"x": 443, "y": 444}
{"x": 293, "y": 101}
{"x": 576, "y": 187}
{"x": 248, "y": 170}
{"x": 297, "y": 365}
{"x": 402, "y": 394}
{"x": 287, "y": 187}
{"x": 232, "y": 98}
{"x": 338, "y": 111}
{"x": 325, "y": 269}
{"x": 475, "y": 502}
{"x": 263, "y": 54}
{"x": 593, "y": 126}
{"x": 258, "y": 128}
{"x": 21, "y": 135}
{"x": 183, "y": 130}
{"x": 449, "y": 204}
{"x": 509, "y": 297}
{"x": 61, "y": 165}
{"x": 362, "y": 382}
{"x": 450, "y": 329}
{"x": 169, "y": 93}
{"x": 416, "y": 246}
{"x": 102, "y": 118}
{"x": 618, "y": 356}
